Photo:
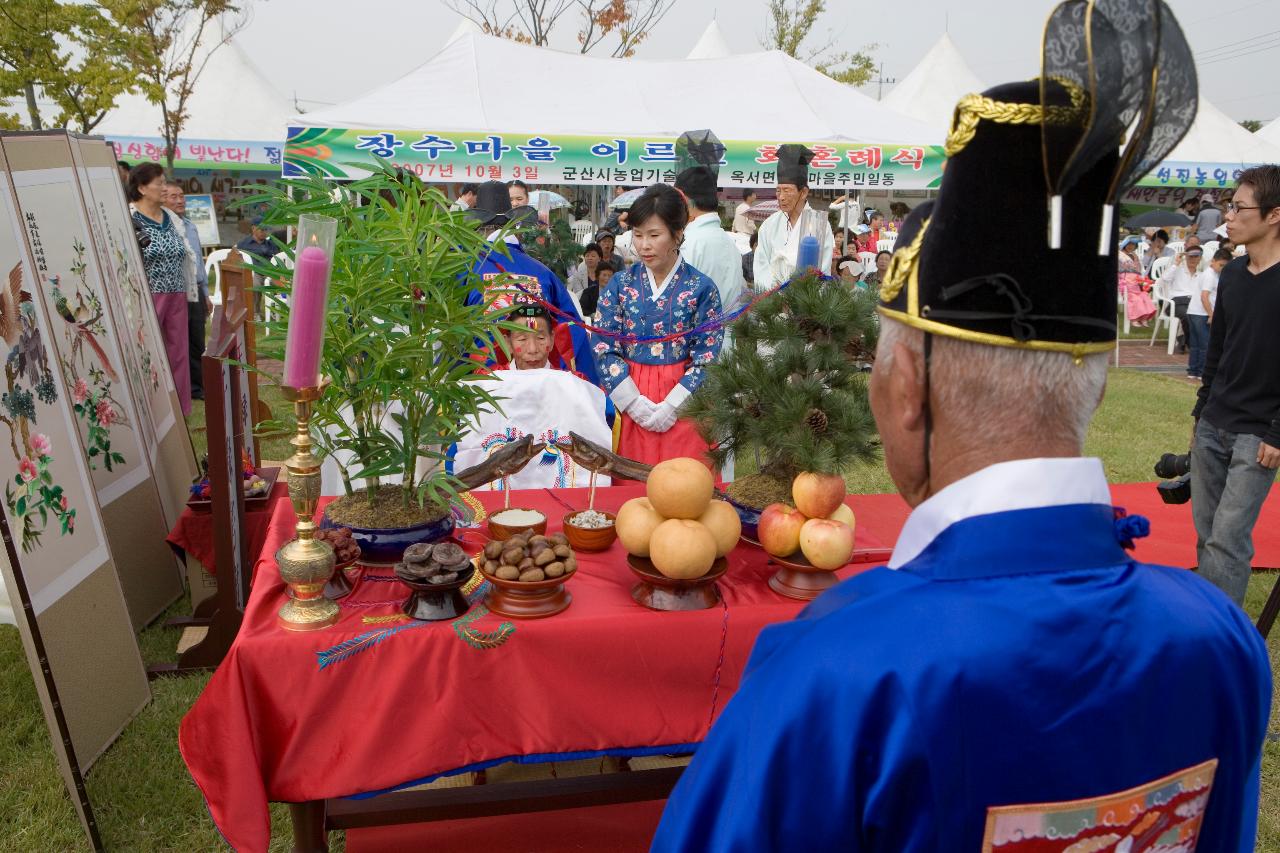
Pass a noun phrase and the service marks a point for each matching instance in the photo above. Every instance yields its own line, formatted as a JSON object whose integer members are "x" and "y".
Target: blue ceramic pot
{"x": 385, "y": 545}
{"x": 750, "y": 517}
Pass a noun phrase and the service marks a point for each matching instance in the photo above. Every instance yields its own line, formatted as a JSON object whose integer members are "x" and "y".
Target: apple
{"x": 817, "y": 495}
{"x": 843, "y": 514}
{"x": 827, "y": 544}
{"x": 779, "y": 529}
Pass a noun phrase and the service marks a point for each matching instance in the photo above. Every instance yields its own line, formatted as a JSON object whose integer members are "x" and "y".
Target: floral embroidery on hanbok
{"x": 690, "y": 300}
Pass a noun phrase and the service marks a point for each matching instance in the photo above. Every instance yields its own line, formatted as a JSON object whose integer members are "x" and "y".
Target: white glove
{"x": 665, "y": 414}
{"x": 642, "y": 411}
{"x": 663, "y": 418}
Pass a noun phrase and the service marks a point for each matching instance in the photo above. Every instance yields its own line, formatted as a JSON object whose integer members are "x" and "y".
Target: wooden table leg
{"x": 309, "y": 834}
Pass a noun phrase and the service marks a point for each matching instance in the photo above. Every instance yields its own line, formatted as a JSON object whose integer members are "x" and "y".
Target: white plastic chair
{"x": 868, "y": 261}
{"x": 213, "y": 272}
{"x": 583, "y": 231}
{"x": 884, "y": 245}
{"x": 1209, "y": 249}
{"x": 1160, "y": 293}
{"x": 281, "y": 260}
{"x": 1159, "y": 266}
{"x": 1177, "y": 246}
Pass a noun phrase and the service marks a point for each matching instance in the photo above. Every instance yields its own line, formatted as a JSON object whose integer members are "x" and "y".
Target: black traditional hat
{"x": 698, "y": 154}
{"x": 1046, "y": 282}
{"x": 793, "y": 165}
{"x": 524, "y": 215}
{"x": 493, "y": 203}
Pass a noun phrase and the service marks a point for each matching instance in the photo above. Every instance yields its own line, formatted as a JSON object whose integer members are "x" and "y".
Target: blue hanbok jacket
{"x": 1017, "y": 684}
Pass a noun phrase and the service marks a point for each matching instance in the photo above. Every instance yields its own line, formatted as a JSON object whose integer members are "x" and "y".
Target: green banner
{"x": 476, "y": 157}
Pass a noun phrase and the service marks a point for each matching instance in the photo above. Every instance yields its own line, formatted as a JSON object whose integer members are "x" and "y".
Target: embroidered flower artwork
{"x": 32, "y": 496}
{"x": 86, "y": 367}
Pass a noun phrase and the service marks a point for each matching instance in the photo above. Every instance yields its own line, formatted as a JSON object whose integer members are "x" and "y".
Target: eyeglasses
{"x": 1232, "y": 207}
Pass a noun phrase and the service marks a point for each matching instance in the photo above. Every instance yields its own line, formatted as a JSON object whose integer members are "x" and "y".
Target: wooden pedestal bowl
{"x": 659, "y": 592}
{"x": 590, "y": 538}
{"x": 503, "y": 532}
{"x": 527, "y": 599}
{"x": 434, "y": 602}
{"x": 799, "y": 579}
{"x": 342, "y": 583}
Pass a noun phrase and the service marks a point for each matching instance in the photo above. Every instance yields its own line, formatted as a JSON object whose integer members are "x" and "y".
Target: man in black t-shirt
{"x": 1236, "y": 444}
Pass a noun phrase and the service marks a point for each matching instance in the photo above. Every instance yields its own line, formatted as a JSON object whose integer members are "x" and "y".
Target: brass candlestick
{"x": 306, "y": 563}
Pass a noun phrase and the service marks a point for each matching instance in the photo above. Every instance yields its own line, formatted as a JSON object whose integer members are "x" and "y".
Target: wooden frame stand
{"x": 223, "y": 611}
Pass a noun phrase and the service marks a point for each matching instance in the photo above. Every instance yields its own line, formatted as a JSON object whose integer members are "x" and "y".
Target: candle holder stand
{"x": 306, "y": 563}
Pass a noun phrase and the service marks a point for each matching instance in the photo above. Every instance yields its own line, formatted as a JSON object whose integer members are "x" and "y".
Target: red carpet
{"x": 618, "y": 829}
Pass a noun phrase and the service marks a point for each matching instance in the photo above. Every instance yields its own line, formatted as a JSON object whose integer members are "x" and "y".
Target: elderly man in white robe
{"x": 779, "y": 236}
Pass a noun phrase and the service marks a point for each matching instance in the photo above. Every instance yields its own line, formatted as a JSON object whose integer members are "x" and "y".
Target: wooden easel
{"x": 223, "y": 611}
{"x": 237, "y": 293}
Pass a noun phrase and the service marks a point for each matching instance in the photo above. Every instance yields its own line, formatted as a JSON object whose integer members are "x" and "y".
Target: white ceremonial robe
{"x": 777, "y": 246}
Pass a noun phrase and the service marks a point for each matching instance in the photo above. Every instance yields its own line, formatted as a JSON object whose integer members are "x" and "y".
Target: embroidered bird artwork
{"x": 84, "y": 320}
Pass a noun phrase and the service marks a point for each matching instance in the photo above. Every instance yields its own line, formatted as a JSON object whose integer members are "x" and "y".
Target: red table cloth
{"x": 377, "y": 701}
{"x": 193, "y": 532}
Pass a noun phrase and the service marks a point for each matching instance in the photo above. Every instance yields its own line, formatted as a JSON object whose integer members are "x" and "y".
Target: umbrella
{"x": 554, "y": 200}
{"x": 763, "y": 210}
{"x": 628, "y": 198}
{"x": 1159, "y": 219}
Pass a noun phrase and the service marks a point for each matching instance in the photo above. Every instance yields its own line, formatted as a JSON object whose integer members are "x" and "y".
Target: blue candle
{"x": 808, "y": 254}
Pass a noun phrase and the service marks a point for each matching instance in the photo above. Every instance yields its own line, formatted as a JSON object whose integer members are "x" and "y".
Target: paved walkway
{"x": 1138, "y": 355}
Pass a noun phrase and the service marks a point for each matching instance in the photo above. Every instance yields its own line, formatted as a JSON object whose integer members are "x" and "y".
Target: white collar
{"x": 658, "y": 289}
{"x": 792, "y": 226}
{"x": 705, "y": 219}
{"x": 511, "y": 239}
{"x": 1003, "y": 487}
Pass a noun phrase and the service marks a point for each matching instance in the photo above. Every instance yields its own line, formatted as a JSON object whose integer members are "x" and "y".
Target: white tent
{"x": 1216, "y": 138}
{"x": 711, "y": 45}
{"x": 469, "y": 86}
{"x": 465, "y": 27}
{"x": 929, "y": 93}
{"x": 233, "y": 102}
{"x": 1270, "y": 132}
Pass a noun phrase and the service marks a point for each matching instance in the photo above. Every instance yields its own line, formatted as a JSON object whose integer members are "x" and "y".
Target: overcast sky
{"x": 329, "y": 51}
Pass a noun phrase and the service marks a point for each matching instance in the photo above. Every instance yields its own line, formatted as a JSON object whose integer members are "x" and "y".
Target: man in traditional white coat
{"x": 706, "y": 245}
{"x": 779, "y": 235}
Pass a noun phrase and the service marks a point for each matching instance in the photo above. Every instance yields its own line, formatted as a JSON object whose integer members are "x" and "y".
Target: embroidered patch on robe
{"x": 1164, "y": 816}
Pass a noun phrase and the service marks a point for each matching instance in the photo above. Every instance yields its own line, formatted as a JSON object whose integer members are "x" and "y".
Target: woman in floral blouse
{"x": 646, "y": 372}
{"x": 170, "y": 265}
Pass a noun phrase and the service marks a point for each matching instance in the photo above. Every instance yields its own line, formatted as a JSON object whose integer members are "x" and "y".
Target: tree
{"x": 532, "y": 21}
{"x": 70, "y": 52}
{"x": 28, "y": 50}
{"x": 790, "y": 24}
{"x": 1251, "y": 124}
{"x": 790, "y": 387}
{"x": 168, "y": 43}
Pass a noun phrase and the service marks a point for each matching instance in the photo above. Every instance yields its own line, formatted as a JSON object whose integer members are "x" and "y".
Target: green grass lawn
{"x": 145, "y": 801}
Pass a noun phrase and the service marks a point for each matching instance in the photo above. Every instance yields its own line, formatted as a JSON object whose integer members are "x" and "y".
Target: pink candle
{"x": 306, "y": 318}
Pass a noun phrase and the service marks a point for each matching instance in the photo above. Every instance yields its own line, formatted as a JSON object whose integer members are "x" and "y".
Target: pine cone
{"x": 817, "y": 421}
{"x": 755, "y": 409}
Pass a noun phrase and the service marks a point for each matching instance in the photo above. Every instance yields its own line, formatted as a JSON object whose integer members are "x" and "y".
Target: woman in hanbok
{"x": 1133, "y": 284}
{"x": 658, "y": 330}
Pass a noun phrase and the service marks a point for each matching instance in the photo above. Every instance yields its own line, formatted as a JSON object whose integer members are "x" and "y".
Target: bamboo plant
{"x": 400, "y": 329}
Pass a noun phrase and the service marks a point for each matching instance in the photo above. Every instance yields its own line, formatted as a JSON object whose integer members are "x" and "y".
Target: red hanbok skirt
{"x": 655, "y": 381}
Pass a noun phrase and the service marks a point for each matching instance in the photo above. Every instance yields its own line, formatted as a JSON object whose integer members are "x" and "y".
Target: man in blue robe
{"x": 1013, "y": 680}
{"x": 491, "y": 211}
